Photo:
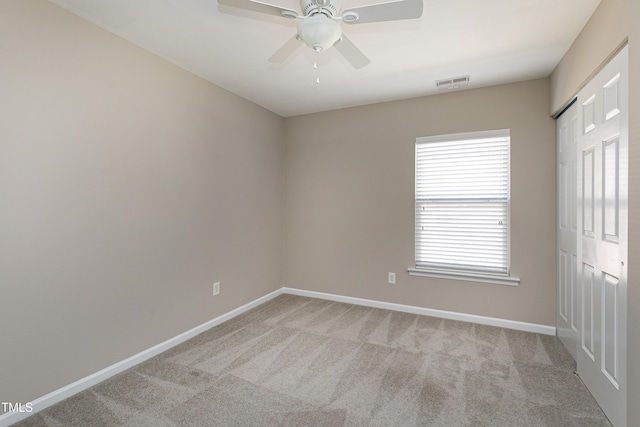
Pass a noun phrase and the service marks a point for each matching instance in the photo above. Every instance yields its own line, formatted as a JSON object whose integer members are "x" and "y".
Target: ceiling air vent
{"x": 452, "y": 83}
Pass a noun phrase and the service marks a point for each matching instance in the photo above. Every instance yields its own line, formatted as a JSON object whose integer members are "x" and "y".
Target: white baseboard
{"x": 82, "y": 384}
{"x": 89, "y": 381}
{"x": 452, "y": 315}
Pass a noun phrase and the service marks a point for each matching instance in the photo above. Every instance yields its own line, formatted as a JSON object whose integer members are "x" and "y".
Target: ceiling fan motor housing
{"x": 328, "y": 7}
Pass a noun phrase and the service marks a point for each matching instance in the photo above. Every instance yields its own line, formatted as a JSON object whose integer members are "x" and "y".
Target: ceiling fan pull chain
{"x": 315, "y": 67}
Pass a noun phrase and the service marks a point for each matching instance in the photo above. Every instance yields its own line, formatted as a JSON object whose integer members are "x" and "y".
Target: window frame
{"x": 466, "y": 274}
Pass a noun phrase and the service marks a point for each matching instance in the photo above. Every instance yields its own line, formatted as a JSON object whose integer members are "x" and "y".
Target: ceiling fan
{"x": 319, "y": 27}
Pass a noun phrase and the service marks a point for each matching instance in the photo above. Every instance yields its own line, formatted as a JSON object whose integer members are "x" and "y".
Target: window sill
{"x": 466, "y": 276}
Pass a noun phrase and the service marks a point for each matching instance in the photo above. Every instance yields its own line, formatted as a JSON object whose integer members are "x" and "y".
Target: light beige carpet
{"x": 297, "y": 361}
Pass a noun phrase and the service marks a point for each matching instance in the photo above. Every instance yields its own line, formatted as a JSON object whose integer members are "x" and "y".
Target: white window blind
{"x": 462, "y": 202}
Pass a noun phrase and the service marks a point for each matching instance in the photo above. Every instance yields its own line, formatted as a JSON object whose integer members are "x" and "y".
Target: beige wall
{"x": 614, "y": 22}
{"x": 127, "y": 186}
{"x": 605, "y": 32}
{"x": 349, "y": 189}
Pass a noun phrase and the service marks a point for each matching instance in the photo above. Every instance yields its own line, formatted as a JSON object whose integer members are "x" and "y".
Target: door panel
{"x": 567, "y": 135}
{"x": 588, "y": 192}
{"x": 563, "y": 296}
{"x": 610, "y": 196}
{"x": 587, "y": 330}
{"x": 610, "y": 337}
{"x": 611, "y": 97}
{"x": 574, "y": 298}
{"x": 589, "y": 115}
{"x": 602, "y": 251}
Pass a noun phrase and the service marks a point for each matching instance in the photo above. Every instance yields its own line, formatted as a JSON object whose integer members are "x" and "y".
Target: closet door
{"x": 602, "y": 237}
{"x": 567, "y": 313}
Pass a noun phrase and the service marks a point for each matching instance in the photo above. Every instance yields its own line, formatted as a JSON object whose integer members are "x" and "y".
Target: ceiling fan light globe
{"x": 319, "y": 31}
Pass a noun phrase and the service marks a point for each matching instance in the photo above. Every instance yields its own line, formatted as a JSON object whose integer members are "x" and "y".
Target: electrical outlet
{"x": 216, "y": 288}
{"x": 392, "y": 278}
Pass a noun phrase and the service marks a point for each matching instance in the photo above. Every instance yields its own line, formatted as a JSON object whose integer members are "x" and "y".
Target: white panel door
{"x": 567, "y": 315}
{"x": 602, "y": 237}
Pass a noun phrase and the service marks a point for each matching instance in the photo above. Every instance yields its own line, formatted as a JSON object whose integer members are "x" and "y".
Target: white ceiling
{"x": 493, "y": 41}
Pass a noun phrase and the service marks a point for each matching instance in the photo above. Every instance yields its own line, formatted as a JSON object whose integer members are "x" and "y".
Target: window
{"x": 462, "y": 206}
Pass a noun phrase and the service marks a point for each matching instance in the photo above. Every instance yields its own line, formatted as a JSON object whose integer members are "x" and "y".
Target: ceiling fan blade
{"x": 351, "y": 53}
{"x": 258, "y": 6}
{"x": 388, "y": 11}
{"x": 286, "y": 50}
